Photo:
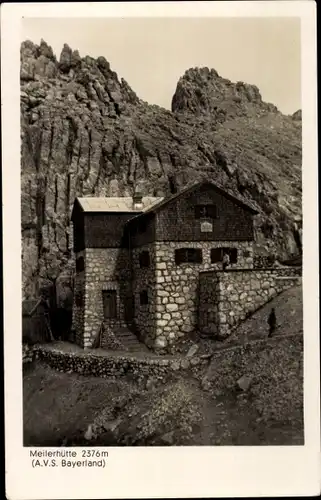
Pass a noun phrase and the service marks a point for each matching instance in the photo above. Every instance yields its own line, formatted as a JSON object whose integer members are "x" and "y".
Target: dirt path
{"x": 289, "y": 315}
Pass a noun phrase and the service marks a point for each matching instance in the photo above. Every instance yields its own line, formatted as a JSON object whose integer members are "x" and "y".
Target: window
{"x": 80, "y": 264}
{"x": 217, "y": 254}
{"x": 143, "y": 298}
{"x": 144, "y": 259}
{"x": 233, "y": 255}
{"x": 192, "y": 255}
{"x": 205, "y": 212}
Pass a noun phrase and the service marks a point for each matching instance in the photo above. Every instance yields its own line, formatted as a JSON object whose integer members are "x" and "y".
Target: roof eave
{"x": 188, "y": 189}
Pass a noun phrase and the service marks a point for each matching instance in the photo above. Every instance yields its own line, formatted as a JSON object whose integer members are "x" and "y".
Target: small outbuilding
{"x": 35, "y": 321}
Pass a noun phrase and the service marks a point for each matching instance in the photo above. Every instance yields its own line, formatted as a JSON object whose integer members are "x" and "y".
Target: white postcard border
{"x": 160, "y": 472}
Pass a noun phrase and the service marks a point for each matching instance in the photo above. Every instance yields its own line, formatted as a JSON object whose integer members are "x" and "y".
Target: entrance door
{"x": 110, "y": 304}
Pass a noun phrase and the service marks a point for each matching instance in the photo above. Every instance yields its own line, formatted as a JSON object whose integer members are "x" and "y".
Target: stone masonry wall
{"x": 78, "y": 308}
{"x": 144, "y": 280}
{"x": 227, "y": 298}
{"x": 105, "y": 269}
{"x": 118, "y": 365}
{"x": 176, "y": 286}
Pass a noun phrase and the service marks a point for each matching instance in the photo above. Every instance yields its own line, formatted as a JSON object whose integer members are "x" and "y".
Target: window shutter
{"x": 197, "y": 256}
{"x": 179, "y": 256}
{"x": 193, "y": 255}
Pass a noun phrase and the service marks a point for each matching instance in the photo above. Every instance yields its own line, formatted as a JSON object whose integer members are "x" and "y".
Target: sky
{"x": 152, "y": 53}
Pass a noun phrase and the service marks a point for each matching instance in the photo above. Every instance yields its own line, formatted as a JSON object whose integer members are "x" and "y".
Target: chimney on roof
{"x": 138, "y": 201}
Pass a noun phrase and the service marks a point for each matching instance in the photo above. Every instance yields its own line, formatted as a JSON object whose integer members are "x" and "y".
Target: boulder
{"x": 244, "y": 382}
{"x": 192, "y": 351}
{"x": 89, "y": 433}
{"x": 168, "y": 438}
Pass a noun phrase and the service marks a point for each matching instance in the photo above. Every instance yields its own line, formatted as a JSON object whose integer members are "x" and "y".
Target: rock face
{"x": 85, "y": 132}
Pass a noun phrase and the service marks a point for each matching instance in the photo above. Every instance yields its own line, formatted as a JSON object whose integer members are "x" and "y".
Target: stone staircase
{"x": 117, "y": 337}
{"x": 129, "y": 340}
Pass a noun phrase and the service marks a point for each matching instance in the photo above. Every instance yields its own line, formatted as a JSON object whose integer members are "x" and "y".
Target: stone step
{"x": 124, "y": 334}
{"x": 128, "y": 339}
{"x": 132, "y": 344}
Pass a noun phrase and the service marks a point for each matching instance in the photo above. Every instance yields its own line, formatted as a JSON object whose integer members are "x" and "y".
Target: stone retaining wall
{"x": 227, "y": 298}
{"x": 139, "y": 368}
{"x": 217, "y": 371}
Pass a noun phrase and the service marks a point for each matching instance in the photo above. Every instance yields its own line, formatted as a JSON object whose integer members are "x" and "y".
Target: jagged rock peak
{"x": 199, "y": 74}
{"x": 30, "y": 49}
{"x": 203, "y": 90}
{"x": 86, "y": 78}
{"x": 69, "y": 59}
{"x": 297, "y": 115}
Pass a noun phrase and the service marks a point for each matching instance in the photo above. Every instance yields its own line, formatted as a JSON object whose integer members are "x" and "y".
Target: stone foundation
{"x": 227, "y": 298}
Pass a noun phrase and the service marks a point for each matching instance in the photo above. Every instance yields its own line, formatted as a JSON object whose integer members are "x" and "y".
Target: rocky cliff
{"x": 85, "y": 132}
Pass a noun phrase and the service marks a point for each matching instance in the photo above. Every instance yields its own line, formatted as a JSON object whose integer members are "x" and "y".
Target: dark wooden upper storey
{"x": 203, "y": 212}
{"x": 200, "y": 213}
{"x": 100, "y": 222}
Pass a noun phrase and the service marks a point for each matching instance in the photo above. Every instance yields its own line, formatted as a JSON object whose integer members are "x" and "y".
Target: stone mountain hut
{"x": 139, "y": 260}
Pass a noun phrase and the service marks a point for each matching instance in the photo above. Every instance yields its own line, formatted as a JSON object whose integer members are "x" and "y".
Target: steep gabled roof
{"x": 113, "y": 204}
{"x": 158, "y": 206}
